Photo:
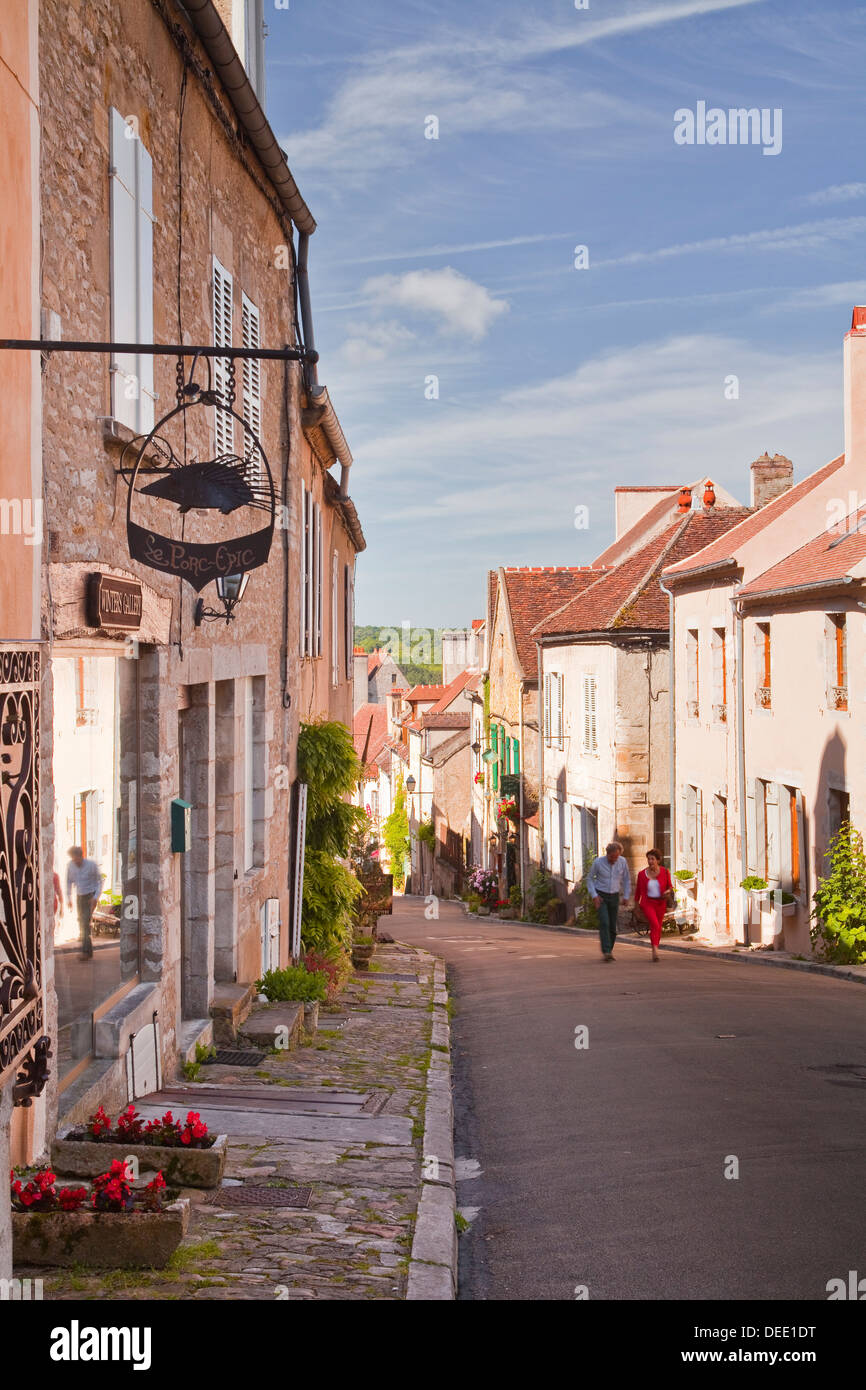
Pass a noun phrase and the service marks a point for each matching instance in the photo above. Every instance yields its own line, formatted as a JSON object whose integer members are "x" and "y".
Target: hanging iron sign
{"x": 225, "y": 484}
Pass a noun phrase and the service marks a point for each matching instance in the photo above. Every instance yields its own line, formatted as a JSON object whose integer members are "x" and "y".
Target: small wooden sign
{"x": 113, "y": 603}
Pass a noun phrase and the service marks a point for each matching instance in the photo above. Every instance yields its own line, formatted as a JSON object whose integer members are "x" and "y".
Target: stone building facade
{"x": 169, "y": 734}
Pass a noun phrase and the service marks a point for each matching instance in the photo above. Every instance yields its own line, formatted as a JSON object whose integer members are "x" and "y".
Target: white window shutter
{"x": 547, "y": 708}
{"x": 320, "y": 568}
{"x": 774, "y": 857}
{"x": 750, "y": 849}
{"x": 305, "y": 572}
{"x": 335, "y": 622}
{"x": 761, "y": 858}
{"x": 252, "y": 390}
{"x": 224, "y": 425}
{"x": 801, "y": 837}
{"x": 560, "y": 742}
{"x": 131, "y": 272}
{"x": 349, "y": 600}
{"x": 699, "y": 832}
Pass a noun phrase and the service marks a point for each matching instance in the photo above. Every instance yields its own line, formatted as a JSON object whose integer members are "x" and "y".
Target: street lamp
{"x": 230, "y": 590}
{"x": 410, "y": 784}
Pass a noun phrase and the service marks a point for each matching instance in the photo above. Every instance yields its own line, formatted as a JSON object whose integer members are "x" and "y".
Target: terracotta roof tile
{"x": 425, "y": 692}
{"x": 534, "y": 592}
{"x": 754, "y": 522}
{"x": 451, "y": 691}
{"x": 370, "y": 728}
{"x": 827, "y": 558}
{"x": 629, "y": 595}
{"x": 457, "y": 720}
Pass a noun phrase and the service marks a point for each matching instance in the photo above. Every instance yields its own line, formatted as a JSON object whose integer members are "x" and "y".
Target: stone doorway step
{"x": 291, "y": 1113}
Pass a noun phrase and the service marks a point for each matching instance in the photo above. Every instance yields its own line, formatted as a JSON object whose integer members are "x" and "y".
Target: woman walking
{"x": 653, "y": 883}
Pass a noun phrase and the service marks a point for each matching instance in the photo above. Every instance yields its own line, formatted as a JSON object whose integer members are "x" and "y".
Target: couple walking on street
{"x": 609, "y": 886}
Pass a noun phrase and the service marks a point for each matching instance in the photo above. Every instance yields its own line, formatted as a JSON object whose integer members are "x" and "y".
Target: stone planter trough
{"x": 100, "y": 1240}
{"x": 181, "y": 1167}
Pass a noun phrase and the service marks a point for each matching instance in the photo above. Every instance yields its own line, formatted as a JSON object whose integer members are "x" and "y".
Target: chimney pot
{"x": 709, "y": 495}
{"x": 685, "y": 500}
{"x": 770, "y": 478}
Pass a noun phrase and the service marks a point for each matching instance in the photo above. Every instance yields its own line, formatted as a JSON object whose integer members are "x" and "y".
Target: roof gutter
{"x": 793, "y": 590}
{"x": 674, "y": 575}
{"x": 217, "y": 43}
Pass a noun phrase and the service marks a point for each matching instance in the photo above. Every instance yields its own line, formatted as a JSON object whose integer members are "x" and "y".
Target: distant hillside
{"x": 417, "y": 651}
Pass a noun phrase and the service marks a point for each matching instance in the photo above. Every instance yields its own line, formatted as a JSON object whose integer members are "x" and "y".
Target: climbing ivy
{"x": 329, "y": 765}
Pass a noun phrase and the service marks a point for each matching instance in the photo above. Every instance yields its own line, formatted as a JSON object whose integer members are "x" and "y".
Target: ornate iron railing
{"x": 24, "y": 1049}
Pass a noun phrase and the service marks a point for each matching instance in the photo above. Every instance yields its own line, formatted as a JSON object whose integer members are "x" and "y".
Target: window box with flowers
{"x": 183, "y": 1150}
{"x": 110, "y": 1226}
{"x": 506, "y": 810}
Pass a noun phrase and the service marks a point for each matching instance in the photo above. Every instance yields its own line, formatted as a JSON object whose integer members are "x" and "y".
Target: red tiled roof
{"x": 451, "y": 691}
{"x": 629, "y": 595}
{"x": 399, "y": 748}
{"x": 754, "y": 523}
{"x": 370, "y": 728}
{"x": 425, "y": 692}
{"x": 533, "y": 592}
{"x": 457, "y": 720}
{"x": 358, "y": 651}
{"x": 826, "y": 559}
{"x": 477, "y": 623}
{"x": 649, "y": 487}
{"x": 644, "y": 526}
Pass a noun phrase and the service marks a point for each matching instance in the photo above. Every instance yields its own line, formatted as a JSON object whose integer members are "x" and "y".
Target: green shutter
{"x": 515, "y": 756}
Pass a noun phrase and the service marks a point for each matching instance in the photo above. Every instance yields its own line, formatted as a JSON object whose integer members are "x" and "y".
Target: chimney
{"x": 709, "y": 495}
{"x": 855, "y": 392}
{"x": 685, "y": 501}
{"x": 770, "y": 478}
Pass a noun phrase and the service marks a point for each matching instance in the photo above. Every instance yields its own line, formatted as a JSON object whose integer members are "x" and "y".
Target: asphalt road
{"x": 604, "y": 1166}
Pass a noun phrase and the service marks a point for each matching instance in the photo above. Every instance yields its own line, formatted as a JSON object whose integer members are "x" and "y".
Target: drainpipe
{"x": 541, "y": 733}
{"x": 737, "y": 612}
{"x": 672, "y": 720}
{"x": 311, "y": 373}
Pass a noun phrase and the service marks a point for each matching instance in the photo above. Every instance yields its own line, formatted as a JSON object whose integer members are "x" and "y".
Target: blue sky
{"x": 454, "y": 258}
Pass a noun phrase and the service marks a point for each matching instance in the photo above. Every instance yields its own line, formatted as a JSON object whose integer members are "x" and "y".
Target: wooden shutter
{"x": 349, "y": 618}
{"x": 801, "y": 879}
{"x": 560, "y": 741}
{"x": 304, "y": 577}
{"x": 774, "y": 794}
{"x": 750, "y": 849}
{"x": 699, "y": 832}
{"x": 335, "y": 622}
{"x": 761, "y": 859}
{"x": 516, "y": 756}
{"x": 547, "y": 679}
{"x": 252, "y": 369}
{"x": 224, "y": 425}
{"x": 131, "y": 273}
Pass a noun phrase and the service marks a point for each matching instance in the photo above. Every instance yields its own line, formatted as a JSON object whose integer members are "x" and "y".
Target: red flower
{"x": 71, "y": 1198}
{"x": 100, "y": 1124}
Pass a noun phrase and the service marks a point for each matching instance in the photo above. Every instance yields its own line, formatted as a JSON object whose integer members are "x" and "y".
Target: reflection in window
{"x": 96, "y": 892}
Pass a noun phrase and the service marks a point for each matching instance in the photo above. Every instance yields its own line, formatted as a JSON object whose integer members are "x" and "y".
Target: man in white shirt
{"x": 609, "y": 884}
{"x": 87, "y": 878}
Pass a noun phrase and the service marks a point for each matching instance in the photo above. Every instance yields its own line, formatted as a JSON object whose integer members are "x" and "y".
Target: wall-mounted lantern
{"x": 230, "y": 590}
{"x": 410, "y": 784}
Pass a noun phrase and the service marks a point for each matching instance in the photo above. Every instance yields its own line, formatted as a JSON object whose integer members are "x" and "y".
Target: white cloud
{"x": 474, "y": 81}
{"x": 805, "y": 236}
{"x": 836, "y": 193}
{"x": 462, "y": 305}
{"x": 374, "y": 342}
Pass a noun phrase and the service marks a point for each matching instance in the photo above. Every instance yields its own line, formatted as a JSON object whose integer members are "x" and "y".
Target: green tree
{"x": 839, "y": 916}
{"x": 395, "y": 836}
{"x": 329, "y": 765}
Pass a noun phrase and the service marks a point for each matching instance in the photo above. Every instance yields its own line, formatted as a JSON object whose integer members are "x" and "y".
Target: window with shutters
{"x": 693, "y": 691}
{"x": 836, "y": 639}
{"x": 692, "y": 830}
{"x": 335, "y": 620}
{"x": 590, "y": 724}
{"x": 764, "y": 667}
{"x": 720, "y": 676}
{"x": 131, "y": 274}
{"x": 349, "y": 618}
{"x": 224, "y": 425}
{"x": 515, "y": 756}
{"x": 255, "y": 752}
{"x": 311, "y": 575}
{"x": 252, "y": 390}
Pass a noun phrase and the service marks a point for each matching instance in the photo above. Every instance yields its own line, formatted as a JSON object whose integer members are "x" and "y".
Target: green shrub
{"x": 395, "y": 836}
{"x": 329, "y": 765}
{"x": 515, "y": 897}
{"x": 754, "y": 881}
{"x": 541, "y": 893}
{"x": 427, "y": 834}
{"x": 839, "y": 929}
{"x": 293, "y": 983}
{"x": 585, "y": 911}
{"x": 685, "y": 874}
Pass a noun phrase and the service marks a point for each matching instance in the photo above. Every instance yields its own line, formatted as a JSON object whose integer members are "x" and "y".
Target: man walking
{"x": 87, "y": 878}
{"x": 608, "y": 882}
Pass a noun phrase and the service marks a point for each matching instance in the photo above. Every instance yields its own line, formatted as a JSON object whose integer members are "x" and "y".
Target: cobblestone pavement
{"x": 354, "y": 1239}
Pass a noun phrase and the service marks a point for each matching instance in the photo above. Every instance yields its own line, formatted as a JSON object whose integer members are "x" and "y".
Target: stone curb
{"x": 855, "y": 974}
{"x": 433, "y": 1261}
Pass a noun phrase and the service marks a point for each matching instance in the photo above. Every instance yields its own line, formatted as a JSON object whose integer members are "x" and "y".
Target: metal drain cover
{"x": 249, "y": 1196}
{"x": 227, "y": 1058}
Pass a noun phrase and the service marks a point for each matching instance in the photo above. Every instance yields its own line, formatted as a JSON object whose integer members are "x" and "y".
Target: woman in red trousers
{"x": 653, "y": 883}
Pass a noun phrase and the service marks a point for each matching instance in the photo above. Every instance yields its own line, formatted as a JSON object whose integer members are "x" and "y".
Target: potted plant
{"x": 183, "y": 1150}
{"x": 685, "y": 877}
{"x": 362, "y": 951}
{"x": 755, "y": 886}
{"x": 111, "y": 1227}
